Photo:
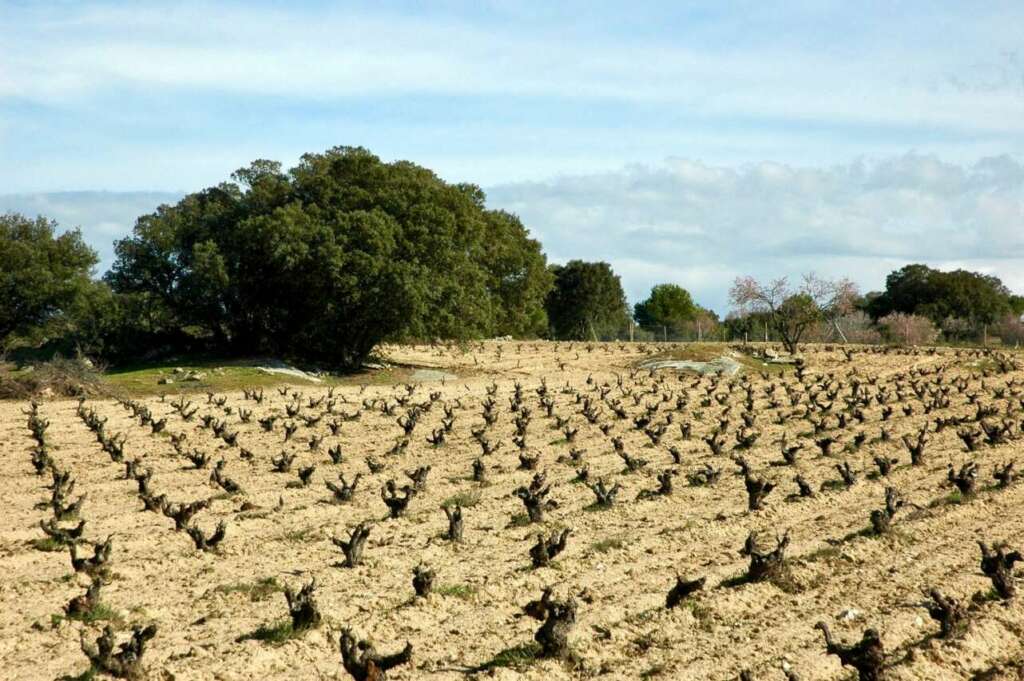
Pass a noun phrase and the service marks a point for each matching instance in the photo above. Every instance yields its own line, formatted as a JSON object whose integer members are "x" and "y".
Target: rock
{"x": 165, "y": 381}
{"x": 850, "y": 614}
{"x": 178, "y": 370}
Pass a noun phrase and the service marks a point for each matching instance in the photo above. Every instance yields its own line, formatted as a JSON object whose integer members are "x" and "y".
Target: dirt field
{"x": 618, "y": 563}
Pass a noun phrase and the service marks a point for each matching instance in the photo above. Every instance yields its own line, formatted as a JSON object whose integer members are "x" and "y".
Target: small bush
{"x": 60, "y": 377}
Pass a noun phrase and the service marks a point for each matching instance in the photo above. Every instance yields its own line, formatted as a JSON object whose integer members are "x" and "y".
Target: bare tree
{"x": 793, "y": 311}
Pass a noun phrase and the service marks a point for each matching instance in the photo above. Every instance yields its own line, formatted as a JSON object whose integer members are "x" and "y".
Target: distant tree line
{"x": 326, "y": 260}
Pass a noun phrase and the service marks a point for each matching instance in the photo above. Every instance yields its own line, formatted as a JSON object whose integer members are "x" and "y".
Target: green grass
{"x": 227, "y": 375}
{"x": 517, "y": 658}
{"x": 463, "y": 591}
{"x": 219, "y": 378}
{"x": 952, "y": 499}
{"x": 275, "y": 634}
{"x": 256, "y": 591}
{"x": 833, "y": 486}
{"x": 862, "y": 532}
{"x": 299, "y": 536}
{"x": 101, "y": 612}
{"x": 737, "y": 580}
{"x": 642, "y": 616}
{"x": 829, "y": 554}
{"x": 701, "y": 613}
{"x": 519, "y": 520}
{"x": 464, "y": 499}
{"x": 609, "y": 544}
{"x": 982, "y": 597}
{"x": 48, "y": 544}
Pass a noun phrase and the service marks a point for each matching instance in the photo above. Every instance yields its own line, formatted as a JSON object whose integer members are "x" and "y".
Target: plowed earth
{"x": 619, "y": 562}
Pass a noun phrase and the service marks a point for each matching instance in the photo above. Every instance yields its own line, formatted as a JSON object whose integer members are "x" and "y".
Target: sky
{"x": 681, "y": 142}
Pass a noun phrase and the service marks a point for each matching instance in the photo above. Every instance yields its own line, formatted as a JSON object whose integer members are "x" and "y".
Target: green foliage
{"x": 609, "y": 544}
{"x": 959, "y": 301}
{"x": 519, "y": 279}
{"x": 792, "y": 312}
{"x": 41, "y": 274}
{"x": 516, "y": 657}
{"x": 275, "y": 634}
{"x": 463, "y": 499}
{"x": 48, "y": 544}
{"x": 668, "y": 306}
{"x": 587, "y": 301}
{"x": 256, "y": 591}
{"x": 99, "y": 612}
{"x": 328, "y": 259}
{"x": 463, "y": 591}
{"x": 795, "y": 316}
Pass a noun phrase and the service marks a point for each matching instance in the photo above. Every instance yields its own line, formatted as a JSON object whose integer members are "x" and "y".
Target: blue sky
{"x": 685, "y": 142}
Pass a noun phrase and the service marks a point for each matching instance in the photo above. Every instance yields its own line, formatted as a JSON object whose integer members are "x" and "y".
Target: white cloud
{"x": 102, "y": 216}
{"x": 701, "y": 225}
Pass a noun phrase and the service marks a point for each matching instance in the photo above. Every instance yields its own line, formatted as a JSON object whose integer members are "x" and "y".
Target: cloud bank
{"x": 102, "y": 216}
{"x": 701, "y": 225}
{"x": 104, "y": 95}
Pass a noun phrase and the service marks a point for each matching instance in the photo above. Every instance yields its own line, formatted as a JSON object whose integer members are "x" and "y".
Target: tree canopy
{"x": 971, "y": 297}
{"x": 326, "y": 260}
{"x": 669, "y": 306}
{"x": 41, "y": 274}
{"x": 792, "y": 312}
{"x": 587, "y": 300}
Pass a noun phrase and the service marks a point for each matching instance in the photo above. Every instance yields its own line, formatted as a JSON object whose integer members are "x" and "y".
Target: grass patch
{"x": 701, "y": 613}
{"x": 829, "y": 554}
{"x": 101, "y": 612}
{"x": 274, "y": 634}
{"x": 651, "y": 672}
{"x": 517, "y": 658}
{"x": 298, "y": 536}
{"x": 466, "y": 499}
{"x": 642, "y": 616}
{"x": 609, "y": 544}
{"x": 983, "y": 597}
{"x": 735, "y": 581}
{"x": 66, "y": 377}
{"x": 560, "y": 441}
{"x": 833, "y": 486}
{"x": 48, "y": 544}
{"x": 256, "y": 591}
{"x": 463, "y": 591}
{"x": 862, "y": 532}
{"x": 954, "y": 498}
{"x": 784, "y": 580}
{"x": 519, "y": 520}
{"x": 227, "y": 375}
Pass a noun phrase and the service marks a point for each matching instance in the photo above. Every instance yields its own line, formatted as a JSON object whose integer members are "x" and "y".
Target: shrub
{"x": 907, "y": 329}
